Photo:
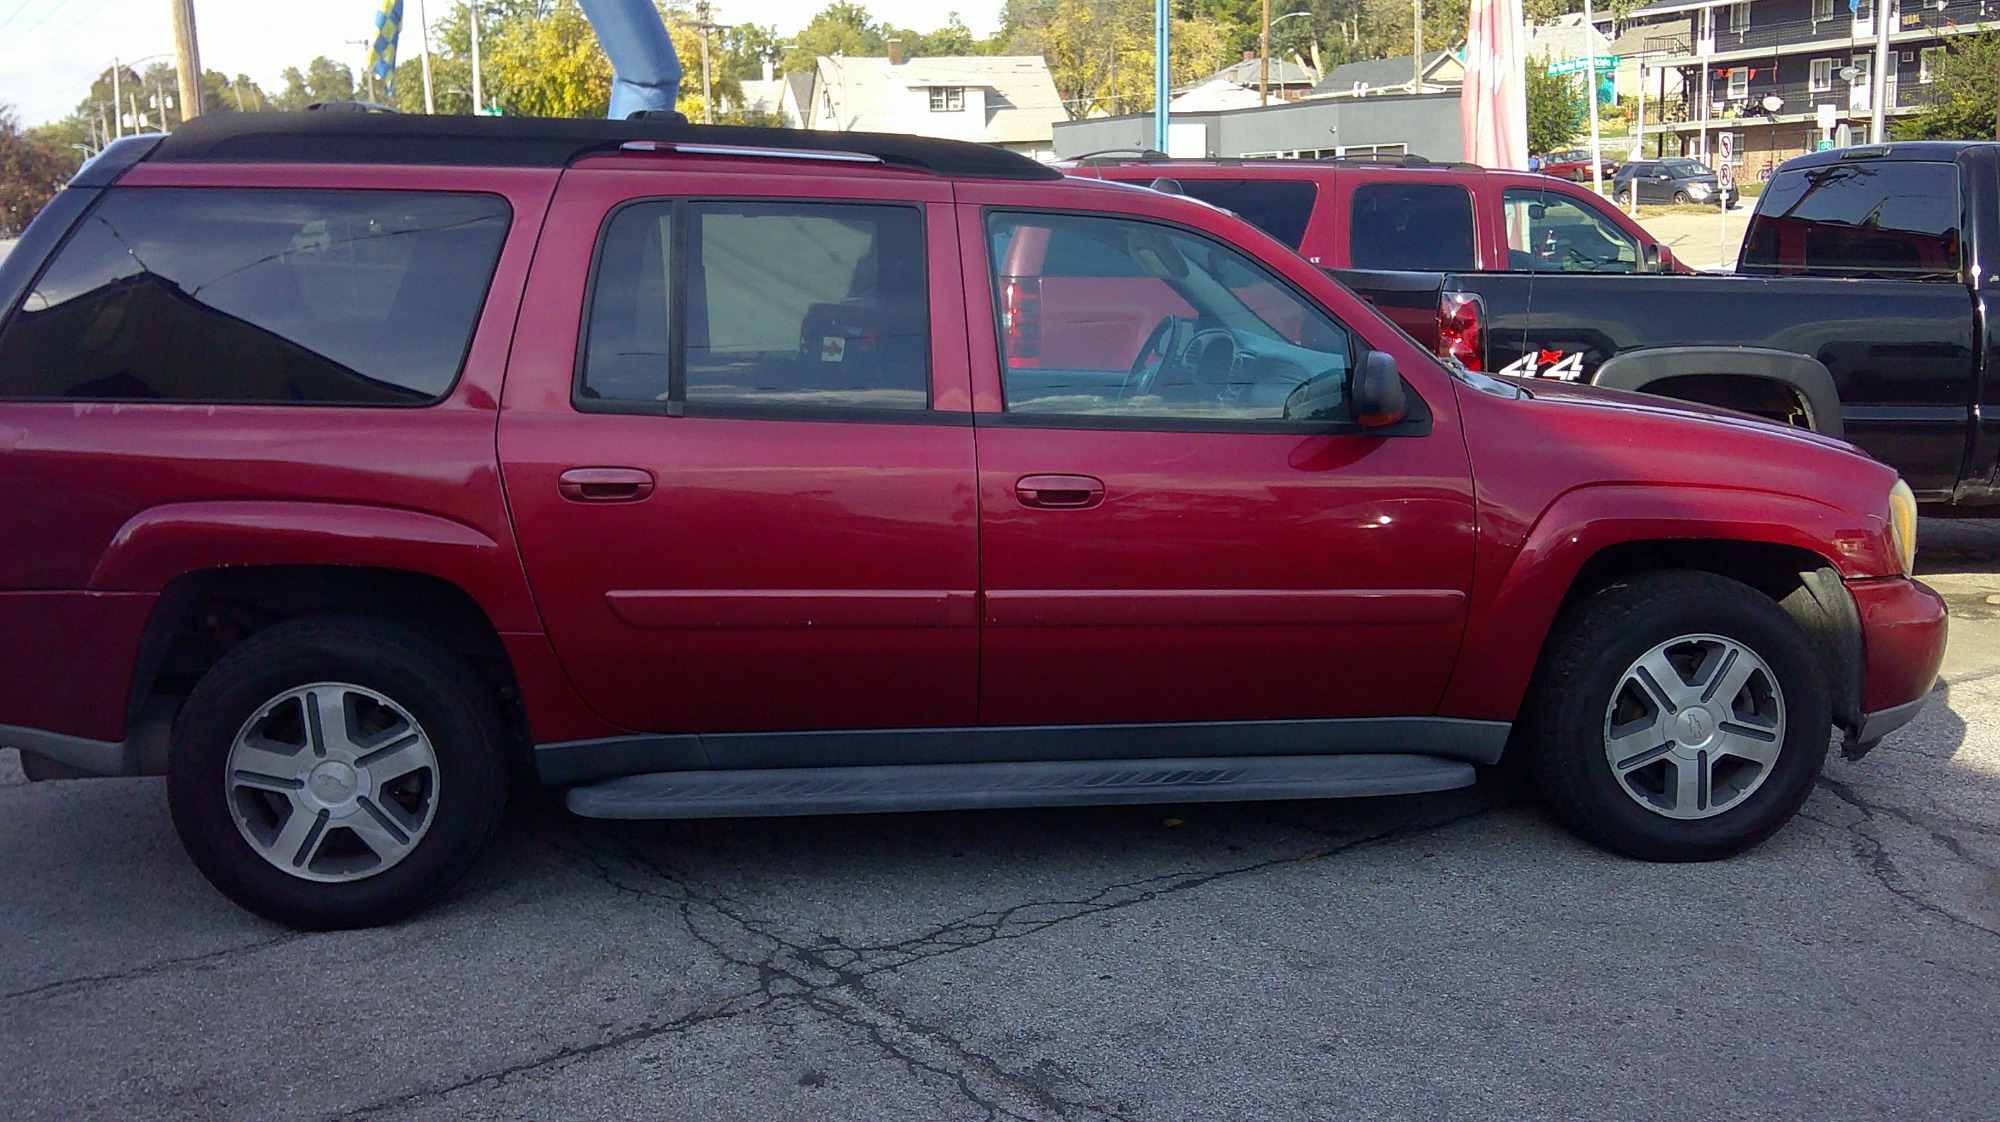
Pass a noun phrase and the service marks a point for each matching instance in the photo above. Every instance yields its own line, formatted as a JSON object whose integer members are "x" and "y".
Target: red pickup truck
{"x": 354, "y": 465}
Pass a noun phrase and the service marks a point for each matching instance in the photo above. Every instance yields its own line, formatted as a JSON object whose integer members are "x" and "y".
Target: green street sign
{"x": 490, "y": 111}
{"x": 1824, "y": 146}
{"x": 1580, "y": 65}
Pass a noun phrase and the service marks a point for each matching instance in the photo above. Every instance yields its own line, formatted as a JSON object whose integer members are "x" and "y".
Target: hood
{"x": 1570, "y": 394}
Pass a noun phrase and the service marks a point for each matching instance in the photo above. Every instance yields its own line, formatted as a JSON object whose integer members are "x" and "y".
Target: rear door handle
{"x": 605, "y": 485}
{"x": 1059, "y": 492}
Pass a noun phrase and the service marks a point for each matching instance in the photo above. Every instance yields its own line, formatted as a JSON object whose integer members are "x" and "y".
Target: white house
{"x": 1004, "y": 100}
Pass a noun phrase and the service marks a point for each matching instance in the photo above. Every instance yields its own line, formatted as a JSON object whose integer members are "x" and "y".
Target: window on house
{"x": 947, "y": 99}
{"x": 1822, "y": 9}
{"x": 1739, "y": 83}
{"x": 1821, "y": 77}
{"x": 1739, "y": 17}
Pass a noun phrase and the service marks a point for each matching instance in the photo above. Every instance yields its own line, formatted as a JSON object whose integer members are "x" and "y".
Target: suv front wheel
{"x": 332, "y": 773}
{"x": 1677, "y": 716}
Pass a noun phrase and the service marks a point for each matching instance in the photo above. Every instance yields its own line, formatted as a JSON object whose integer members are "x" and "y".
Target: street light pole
{"x": 1590, "y": 95}
{"x": 1160, "y": 75}
{"x": 478, "y": 92}
{"x": 1885, "y": 68}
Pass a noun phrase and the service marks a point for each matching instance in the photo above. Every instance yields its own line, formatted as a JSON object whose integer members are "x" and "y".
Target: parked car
{"x": 352, "y": 466}
{"x": 1574, "y": 163}
{"x": 1674, "y": 180}
{"x": 1405, "y": 212}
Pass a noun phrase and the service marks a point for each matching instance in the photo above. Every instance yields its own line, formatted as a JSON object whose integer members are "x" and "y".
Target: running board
{"x": 739, "y": 793}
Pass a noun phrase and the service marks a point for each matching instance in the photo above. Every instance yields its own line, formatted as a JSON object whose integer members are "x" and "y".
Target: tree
{"x": 544, "y": 61}
{"x": 32, "y": 170}
{"x": 1958, "y": 102}
{"x": 322, "y": 80}
{"x": 1555, "y": 109}
{"x": 1100, "y": 52}
{"x": 841, "y": 28}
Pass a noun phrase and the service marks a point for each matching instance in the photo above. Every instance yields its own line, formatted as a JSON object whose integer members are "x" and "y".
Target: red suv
{"x": 355, "y": 465}
{"x": 1405, "y": 213}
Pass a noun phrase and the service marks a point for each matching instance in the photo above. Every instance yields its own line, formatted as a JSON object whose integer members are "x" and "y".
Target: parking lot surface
{"x": 1445, "y": 956}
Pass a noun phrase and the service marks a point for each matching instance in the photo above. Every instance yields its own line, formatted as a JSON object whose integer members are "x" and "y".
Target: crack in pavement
{"x": 159, "y": 967}
{"x": 831, "y": 979}
{"x": 1875, "y": 850}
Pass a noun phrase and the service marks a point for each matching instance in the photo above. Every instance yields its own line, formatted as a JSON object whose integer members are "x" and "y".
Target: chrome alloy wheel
{"x": 332, "y": 782}
{"x": 1694, "y": 727}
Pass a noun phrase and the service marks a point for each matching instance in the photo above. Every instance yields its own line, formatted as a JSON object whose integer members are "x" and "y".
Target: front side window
{"x": 947, "y": 99}
{"x": 1411, "y": 226}
{"x": 784, "y": 305}
{"x": 1120, "y": 319}
{"x": 1548, "y": 232}
{"x": 276, "y": 296}
{"x": 1873, "y": 218}
{"x": 1279, "y": 207}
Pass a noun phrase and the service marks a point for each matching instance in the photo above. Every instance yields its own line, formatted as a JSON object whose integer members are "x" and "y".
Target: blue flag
{"x": 382, "y": 52}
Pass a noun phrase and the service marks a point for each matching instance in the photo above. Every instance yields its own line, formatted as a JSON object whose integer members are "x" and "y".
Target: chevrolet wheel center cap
{"x": 1694, "y": 728}
{"x": 332, "y": 782}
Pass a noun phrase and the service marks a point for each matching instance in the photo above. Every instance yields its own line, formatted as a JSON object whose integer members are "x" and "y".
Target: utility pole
{"x": 424, "y": 41}
{"x": 1264, "y": 67}
{"x": 1160, "y": 25}
{"x": 707, "y": 90}
{"x": 1417, "y": 64}
{"x": 1885, "y": 69}
{"x": 187, "y": 62}
{"x": 478, "y": 92}
{"x": 1590, "y": 80}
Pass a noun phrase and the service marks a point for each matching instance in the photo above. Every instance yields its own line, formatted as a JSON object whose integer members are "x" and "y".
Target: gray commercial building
{"x": 1424, "y": 124}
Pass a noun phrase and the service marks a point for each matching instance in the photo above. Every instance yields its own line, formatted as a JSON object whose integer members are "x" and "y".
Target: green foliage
{"x": 32, "y": 169}
{"x": 322, "y": 80}
{"x": 1958, "y": 104}
{"x": 1101, "y": 54}
{"x": 1556, "y": 109}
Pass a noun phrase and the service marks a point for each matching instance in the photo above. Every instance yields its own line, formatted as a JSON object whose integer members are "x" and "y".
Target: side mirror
{"x": 1652, "y": 256}
{"x": 1378, "y": 391}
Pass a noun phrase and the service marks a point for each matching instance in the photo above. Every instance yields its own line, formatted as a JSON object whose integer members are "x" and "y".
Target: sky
{"x": 54, "y": 49}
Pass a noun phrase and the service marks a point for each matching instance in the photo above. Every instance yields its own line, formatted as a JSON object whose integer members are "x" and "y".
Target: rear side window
{"x": 265, "y": 296}
{"x": 785, "y": 305}
{"x": 1422, "y": 226}
{"x": 1279, "y": 207}
{"x": 1864, "y": 218}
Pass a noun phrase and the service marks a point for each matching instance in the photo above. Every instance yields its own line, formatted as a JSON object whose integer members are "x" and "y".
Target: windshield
{"x": 1685, "y": 168}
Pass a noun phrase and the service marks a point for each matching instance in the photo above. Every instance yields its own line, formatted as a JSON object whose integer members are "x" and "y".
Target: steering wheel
{"x": 1167, "y": 339}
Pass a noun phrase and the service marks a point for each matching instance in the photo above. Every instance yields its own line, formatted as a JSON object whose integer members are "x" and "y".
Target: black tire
{"x": 1680, "y": 198}
{"x": 1622, "y": 198}
{"x": 1589, "y": 650}
{"x": 455, "y": 709}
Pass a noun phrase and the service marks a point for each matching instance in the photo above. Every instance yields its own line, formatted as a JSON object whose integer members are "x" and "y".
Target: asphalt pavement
{"x": 1455, "y": 956}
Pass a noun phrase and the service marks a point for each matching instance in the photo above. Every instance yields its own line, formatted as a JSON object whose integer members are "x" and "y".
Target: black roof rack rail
{"x": 1402, "y": 160}
{"x": 408, "y": 138}
{"x": 350, "y": 107}
{"x": 1118, "y": 156}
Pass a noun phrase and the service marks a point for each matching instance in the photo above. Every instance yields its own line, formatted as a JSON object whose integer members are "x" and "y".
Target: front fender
{"x": 1517, "y": 594}
{"x": 169, "y": 541}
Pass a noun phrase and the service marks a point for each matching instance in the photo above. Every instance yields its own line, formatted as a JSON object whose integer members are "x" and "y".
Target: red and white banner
{"x": 1493, "y": 105}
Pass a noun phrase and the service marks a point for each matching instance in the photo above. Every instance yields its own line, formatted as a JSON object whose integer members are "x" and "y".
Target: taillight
{"x": 1459, "y": 333}
{"x": 1021, "y": 319}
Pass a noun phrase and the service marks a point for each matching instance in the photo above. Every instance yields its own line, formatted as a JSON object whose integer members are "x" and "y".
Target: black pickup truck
{"x": 1862, "y": 306}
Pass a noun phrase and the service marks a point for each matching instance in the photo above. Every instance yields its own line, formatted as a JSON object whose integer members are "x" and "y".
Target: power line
{"x": 22, "y": 7}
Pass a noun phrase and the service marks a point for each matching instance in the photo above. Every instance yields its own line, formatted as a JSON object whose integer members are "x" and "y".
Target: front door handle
{"x": 1059, "y": 492}
{"x": 605, "y": 485}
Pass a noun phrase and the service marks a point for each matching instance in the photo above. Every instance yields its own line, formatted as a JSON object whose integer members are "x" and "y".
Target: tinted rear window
{"x": 333, "y": 297}
{"x": 1425, "y": 226}
{"x": 1865, "y": 218}
{"x": 1279, "y": 207}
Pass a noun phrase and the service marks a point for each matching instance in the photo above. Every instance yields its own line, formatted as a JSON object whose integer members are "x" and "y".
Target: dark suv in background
{"x": 1672, "y": 180}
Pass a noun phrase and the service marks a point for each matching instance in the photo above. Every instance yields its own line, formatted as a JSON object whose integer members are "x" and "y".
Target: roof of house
{"x": 1022, "y": 104}
{"x": 799, "y": 83}
{"x": 1215, "y": 95}
{"x": 760, "y": 96}
{"x": 1284, "y": 72}
{"x": 1377, "y": 73}
{"x": 1638, "y": 40}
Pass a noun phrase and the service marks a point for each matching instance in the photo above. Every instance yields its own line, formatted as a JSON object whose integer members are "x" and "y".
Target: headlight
{"x": 1903, "y": 525}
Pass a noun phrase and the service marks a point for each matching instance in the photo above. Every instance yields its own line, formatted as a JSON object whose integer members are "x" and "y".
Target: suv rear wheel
{"x": 333, "y": 773}
{"x": 1677, "y": 716}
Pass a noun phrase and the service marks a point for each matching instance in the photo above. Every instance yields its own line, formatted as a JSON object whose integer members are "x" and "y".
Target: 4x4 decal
{"x": 1563, "y": 368}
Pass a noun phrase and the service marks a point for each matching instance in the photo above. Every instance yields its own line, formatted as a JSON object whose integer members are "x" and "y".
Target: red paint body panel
{"x": 1902, "y": 639}
{"x": 783, "y": 574}
{"x": 66, "y": 659}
